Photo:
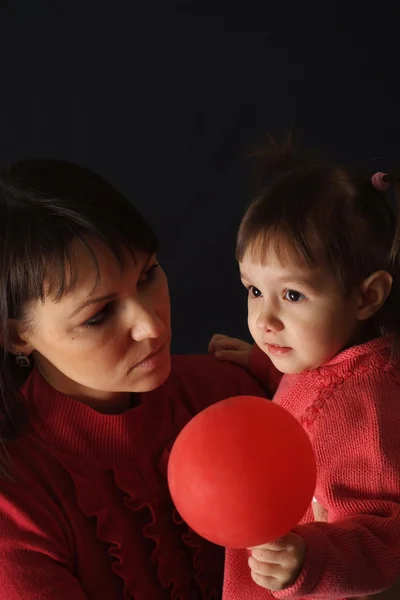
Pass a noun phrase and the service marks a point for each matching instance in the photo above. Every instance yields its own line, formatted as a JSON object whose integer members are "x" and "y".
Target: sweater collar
{"x": 374, "y": 350}
{"x": 69, "y": 426}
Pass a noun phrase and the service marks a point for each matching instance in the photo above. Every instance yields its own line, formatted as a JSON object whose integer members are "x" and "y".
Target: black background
{"x": 164, "y": 98}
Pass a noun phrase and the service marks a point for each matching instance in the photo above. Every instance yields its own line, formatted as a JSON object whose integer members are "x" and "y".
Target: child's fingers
{"x": 320, "y": 513}
{"x": 265, "y": 552}
{"x": 269, "y": 582}
{"x": 239, "y": 357}
{"x": 264, "y": 569}
{"x": 265, "y": 557}
{"x": 229, "y": 344}
{"x": 224, "y": 342}
{"x": 215, "y": 340}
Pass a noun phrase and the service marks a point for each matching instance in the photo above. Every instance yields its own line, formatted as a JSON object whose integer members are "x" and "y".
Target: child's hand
{"x": 320, "y": 513}
{"x": 232, "y": 349}
{"x": 276, "y": 566}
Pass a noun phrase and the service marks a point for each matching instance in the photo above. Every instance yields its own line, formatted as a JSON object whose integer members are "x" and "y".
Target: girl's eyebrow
{"x": 310, "y": 282}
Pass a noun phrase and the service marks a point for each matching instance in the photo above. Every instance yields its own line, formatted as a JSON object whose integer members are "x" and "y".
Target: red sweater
{"x": 350, "y": 408}
{"x": 88, "y": 515}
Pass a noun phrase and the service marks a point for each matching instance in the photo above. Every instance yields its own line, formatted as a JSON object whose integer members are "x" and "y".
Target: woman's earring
{"x": 22, "y": 360}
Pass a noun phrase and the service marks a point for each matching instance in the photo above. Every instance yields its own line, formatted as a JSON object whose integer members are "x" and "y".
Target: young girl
{"x": 89, "y": 405}
{"x": 318, "y": 250}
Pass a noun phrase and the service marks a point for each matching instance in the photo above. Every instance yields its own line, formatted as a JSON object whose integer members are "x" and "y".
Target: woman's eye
{"x": 101, "y": 317}
{"x": 149, "y": 274}
{"x": 254, "y": 292}
{"x": 293, "y": 296}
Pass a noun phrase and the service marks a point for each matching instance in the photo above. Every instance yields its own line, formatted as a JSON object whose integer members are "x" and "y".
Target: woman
{"x": 90, "y": 402}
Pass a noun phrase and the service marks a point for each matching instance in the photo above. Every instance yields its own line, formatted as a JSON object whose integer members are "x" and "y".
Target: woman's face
{"x": 104, "y": 338}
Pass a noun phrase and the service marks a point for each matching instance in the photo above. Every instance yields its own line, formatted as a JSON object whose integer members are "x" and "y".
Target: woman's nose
{"x": 147, "y": 323}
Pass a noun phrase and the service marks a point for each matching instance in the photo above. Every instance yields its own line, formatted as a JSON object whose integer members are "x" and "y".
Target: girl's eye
{"x": 101, "y": 317}
{"x": 254, "y": 292}
{"x": 149, "y": 274}
{"x": 293, "y": 296}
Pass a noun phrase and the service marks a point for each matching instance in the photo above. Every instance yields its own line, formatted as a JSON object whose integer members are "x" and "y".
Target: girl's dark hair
{"x": 45, "y": 205}
{"x": 318, "y": 212}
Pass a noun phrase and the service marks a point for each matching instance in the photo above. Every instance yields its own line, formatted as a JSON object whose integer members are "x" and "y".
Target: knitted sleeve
{"x": 34, "y": 547}
{"x": 357, "y": 443}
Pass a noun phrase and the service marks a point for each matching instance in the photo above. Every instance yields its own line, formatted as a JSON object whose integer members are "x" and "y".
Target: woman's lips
{"x": 153, "y": 358}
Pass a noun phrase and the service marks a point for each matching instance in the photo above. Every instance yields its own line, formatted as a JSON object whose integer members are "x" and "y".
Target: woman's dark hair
{"x": 318, "y": 212}
{"x": 45, "y": 205}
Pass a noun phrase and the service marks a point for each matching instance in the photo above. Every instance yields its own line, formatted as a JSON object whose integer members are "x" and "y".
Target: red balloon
{"x": 242, "y": 472}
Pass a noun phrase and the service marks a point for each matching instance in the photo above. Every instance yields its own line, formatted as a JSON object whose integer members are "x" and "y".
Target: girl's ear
{"x": 373, "y": 293}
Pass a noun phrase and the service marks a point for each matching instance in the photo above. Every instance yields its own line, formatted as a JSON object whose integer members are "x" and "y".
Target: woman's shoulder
{"x": 205, "y": 380}
{"x": 36, "y": 538}
{"x": 29, "y": 465}
{"x": 207, "y": 371}
{"x": 32, "y": 491}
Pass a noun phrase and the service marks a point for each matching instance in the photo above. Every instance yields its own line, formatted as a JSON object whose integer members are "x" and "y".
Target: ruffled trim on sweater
{"x": 171, "y": 572}
{"x": 157, "y": 549}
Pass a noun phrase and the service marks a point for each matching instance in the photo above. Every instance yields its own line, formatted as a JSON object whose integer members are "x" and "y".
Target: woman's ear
{"x": 16, "y": 339}
{"x": 373, "y": 293}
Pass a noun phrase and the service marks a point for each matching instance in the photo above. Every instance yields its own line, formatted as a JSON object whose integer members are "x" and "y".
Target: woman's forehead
{"x": 91, "y": 268}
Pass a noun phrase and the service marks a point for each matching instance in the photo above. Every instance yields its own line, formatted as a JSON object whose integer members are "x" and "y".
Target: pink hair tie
{"x": 378, "y": 182}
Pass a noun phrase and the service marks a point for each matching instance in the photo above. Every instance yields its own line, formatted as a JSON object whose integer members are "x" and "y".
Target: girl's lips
{"x": 275, "y": 349}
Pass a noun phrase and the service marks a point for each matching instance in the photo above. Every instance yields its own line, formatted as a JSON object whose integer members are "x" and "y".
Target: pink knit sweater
{"x": 350, "y": 408}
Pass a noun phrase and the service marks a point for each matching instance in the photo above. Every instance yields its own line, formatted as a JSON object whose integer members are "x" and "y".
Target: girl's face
{"x": 104, "y": 338}
{"x": 298, "y": 316}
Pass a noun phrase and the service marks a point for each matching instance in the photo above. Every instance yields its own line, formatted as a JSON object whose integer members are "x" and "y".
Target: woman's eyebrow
{"x": 91, "y": 301}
